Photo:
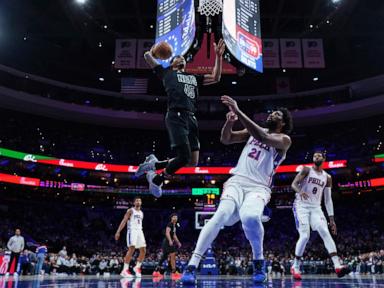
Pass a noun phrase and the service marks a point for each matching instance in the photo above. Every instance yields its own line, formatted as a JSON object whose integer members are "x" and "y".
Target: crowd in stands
{"x": 90, "y": 249}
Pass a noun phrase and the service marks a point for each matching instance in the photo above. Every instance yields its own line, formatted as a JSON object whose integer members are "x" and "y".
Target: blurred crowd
{"x": 87, "y": 234}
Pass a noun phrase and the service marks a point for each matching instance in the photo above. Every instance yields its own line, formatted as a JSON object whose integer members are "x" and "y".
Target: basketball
{"x": 162, "y": 51}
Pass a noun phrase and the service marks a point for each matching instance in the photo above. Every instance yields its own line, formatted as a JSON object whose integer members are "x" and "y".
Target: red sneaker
{"x": 156, "y": 274}
{"x": 342, "y": 271}
{"x": 295, "y": 273}
{"x": 175, "y": 276}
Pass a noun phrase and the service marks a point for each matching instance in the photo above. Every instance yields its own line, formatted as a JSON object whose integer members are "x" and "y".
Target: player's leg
{"x": 319, "y": 224}
{"x": 251, "y": 212}
{"x": 208, "y": 234}
{"x": 141, "y": 245}
{"x": 127, "y": 260}
{"x": 302, "y": 220}
{"x": 193, "y": 138}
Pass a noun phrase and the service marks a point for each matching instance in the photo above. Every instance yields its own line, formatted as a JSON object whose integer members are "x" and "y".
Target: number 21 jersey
{"x": 258, "y": 162}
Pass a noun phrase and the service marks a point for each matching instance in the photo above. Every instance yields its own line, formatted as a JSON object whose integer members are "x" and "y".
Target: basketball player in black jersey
{"x": 183, "y": 90}
{"x": 169, "y": 248}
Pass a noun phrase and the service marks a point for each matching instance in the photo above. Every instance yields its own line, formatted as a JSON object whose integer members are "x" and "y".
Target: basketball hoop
{"x": 210, "y": 7}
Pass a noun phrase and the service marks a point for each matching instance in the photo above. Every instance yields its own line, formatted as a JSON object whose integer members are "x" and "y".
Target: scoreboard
{"x": 242, "y": 32}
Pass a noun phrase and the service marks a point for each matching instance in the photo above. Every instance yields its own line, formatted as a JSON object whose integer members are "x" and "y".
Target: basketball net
{"x": 210, "y": 7}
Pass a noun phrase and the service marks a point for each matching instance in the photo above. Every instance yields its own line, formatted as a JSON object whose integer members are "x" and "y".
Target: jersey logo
{"x": 189, "y": 90}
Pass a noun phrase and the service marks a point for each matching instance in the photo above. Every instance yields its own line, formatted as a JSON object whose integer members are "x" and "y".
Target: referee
{"x": 169, "y": 248}
{"x": 16, "y": 246}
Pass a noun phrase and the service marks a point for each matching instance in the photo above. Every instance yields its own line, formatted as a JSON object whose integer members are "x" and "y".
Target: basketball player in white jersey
{"x": 310, "y": 185}
{"x": 247, "y": 192}
{"x": 135, "y": 237}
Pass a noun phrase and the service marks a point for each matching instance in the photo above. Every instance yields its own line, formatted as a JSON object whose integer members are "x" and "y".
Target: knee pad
{"x": 304, "y": 233}
{"x": 251, "y": 221}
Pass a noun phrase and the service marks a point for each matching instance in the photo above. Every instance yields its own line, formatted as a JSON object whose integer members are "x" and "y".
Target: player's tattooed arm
{"x": 298, "y": 179}
{"x": 148, "y": 56}
{"x": 277, "y": 140}
{"x": 123, "y": 223}
{"x": 215, "y": 76}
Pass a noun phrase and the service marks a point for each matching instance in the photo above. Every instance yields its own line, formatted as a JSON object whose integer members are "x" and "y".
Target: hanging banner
{"x": 271, "y": 53}
{"x": 143, "y": 45}
{"x": 313, "y": 53}
{"x": 125, "y": 54}
{"x": 291, "y": 53}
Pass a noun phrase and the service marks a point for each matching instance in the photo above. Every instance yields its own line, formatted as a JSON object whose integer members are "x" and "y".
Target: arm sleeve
{"x": 160, "y": 71}
{"x": 328, "y": 201}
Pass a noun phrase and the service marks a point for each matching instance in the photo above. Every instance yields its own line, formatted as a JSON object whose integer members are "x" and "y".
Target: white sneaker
{"x": 147, "y": 165}
{"x": 7, "y": 274}
{"x": 15, "y": 274}
{"x": 126, "y": 274}
{"x": 153, "y": 188}
{"x": 137, "y": 271}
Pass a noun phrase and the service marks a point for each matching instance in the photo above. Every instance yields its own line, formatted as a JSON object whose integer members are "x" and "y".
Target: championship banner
{"x": 125, "y": 54}
{"x": 143, "y": 45}
{"x": 204, "y": 60}
{"x": 313, "y": 53}
{"x": 291, "y": 53}
{"x": 271, "y": 53}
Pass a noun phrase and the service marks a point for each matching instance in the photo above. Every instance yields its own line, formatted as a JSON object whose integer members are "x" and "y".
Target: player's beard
{"x": 318, "y": 163}
{"x": 271, "y": 125}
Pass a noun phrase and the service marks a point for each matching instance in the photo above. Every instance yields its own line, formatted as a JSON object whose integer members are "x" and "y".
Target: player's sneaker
{"x": 147, "y": 165}
{"x": 137, "y": 271}
{"x": 259, "y": 275}
{"x": 295, "y": 273}
{"x": 153, "y": 188}
{"x": 189, "y": 276}
{"x": 342, "y": 271}
{"x": 175, "y": 276}
{"x": 157, "y": 274}
{"x": 126, "y": 274}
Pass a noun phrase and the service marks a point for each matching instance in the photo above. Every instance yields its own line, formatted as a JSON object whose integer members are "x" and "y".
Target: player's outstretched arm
{"x": 276, "y": 140}
{"x": 152, "y": 62}
{"x": 228, "y": 136}
{"x": 215, "y": 76}
{"x": 298, "y": 179}
{"x": 123, "y": 223}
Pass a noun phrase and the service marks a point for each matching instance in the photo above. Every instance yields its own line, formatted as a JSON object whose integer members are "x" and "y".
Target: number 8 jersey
{"x": 313, "y": 184}
{"x": 258, "y": 162}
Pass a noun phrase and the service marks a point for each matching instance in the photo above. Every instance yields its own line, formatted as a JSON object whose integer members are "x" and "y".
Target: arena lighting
{"x": 335, "y": 1}
{"x": 82, "y": 2}
{"x": 131, "y": 168}
{"x": 316, "y": 79}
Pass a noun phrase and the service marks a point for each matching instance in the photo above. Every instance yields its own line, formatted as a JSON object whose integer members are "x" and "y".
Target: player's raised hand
{"x": 230, "y": 103}
{"x": 333, "y": 227}
{"x": 232, "y": 117}
{"x": 219, "y": 47}
{"x": 304, "y": 196}
{"x": 117, "y": 236}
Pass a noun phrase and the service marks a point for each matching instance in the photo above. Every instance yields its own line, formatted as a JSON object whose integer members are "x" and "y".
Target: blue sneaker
{"x": 259, "y": 275}
{"x": 147, "y": 165}
{"x": 189, "y": 277}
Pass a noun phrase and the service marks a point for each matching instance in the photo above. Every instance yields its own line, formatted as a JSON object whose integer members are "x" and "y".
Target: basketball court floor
{"x": 207, "y": 282}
